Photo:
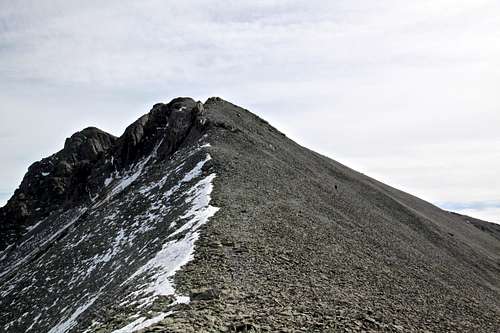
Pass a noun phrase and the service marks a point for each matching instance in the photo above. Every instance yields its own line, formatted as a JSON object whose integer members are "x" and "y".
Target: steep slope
{"x": 304, "y": 242}
{"x": 110, "y": 238}
{"x": 298, "y": 242}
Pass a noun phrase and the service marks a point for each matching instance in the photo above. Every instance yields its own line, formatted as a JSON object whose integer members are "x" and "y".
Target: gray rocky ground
{"x": 299, "y": 243}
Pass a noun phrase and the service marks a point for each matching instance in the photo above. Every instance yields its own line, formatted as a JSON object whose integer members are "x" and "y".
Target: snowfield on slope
{"x": 134, "y": 236}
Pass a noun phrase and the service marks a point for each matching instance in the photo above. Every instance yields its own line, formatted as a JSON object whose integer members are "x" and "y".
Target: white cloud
{"x": 488, "y": 214}
{"x": 406, "y": 92}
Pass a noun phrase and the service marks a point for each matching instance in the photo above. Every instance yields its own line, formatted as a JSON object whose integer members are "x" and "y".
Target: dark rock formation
{"x": 75, "y": 174}
{"x": 61, "y": 179}
{"x": 169, "y": 123}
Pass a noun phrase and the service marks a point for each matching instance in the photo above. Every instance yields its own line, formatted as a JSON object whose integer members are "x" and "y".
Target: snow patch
{"x": 35, "y": 320}
{"x": 141, "y": 323}
{"x": 64, "y": 326}
{"x": 5, "y": 252}
{"x": 50, "y": 239}
{"x": 129, "y": 177}
{"x": 176, "y": 253}
{"x": 28, "y": 229}
{"x": 108, "y": 180}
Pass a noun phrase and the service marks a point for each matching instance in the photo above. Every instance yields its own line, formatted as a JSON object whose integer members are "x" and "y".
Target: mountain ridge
{"x": 286, "y": 240}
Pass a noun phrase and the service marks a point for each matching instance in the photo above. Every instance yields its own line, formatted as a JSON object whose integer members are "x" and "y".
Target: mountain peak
{"x": 169, "y": 123}
{"x": 87, "y": 144}
{"x": 202, "y": 212}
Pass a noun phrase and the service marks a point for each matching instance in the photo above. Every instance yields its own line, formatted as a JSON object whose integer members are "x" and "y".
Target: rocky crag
{"x": 202, "y": 217}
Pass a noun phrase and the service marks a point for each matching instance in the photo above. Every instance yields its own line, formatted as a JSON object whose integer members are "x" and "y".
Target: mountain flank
{"x": 202, "y": 217}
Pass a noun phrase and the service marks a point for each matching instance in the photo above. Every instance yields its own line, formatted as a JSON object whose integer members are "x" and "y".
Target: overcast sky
{"x": 404, "y": 91}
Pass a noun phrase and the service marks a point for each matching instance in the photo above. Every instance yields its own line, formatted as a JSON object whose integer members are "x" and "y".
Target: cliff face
{"x": 100, "y": 237}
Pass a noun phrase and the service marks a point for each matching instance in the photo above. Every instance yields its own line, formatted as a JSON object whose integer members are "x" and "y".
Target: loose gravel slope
{"x": 302, "y": 243}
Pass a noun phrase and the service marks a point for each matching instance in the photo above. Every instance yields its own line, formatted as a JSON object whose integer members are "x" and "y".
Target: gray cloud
{"x": 405, "y": 92}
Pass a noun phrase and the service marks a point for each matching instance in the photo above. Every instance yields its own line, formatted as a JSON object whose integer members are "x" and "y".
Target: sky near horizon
{"x": 406, "y": 92}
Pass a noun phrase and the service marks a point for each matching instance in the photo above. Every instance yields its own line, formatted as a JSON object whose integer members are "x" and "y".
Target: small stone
{"x": 204, "y": 294}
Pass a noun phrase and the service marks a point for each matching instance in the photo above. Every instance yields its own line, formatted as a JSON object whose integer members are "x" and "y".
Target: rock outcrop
{"x": 75, "y": 174}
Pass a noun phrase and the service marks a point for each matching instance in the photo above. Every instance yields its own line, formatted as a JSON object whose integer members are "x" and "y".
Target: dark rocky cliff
{"x": 100, "y": 238}
{"x": 74, "y": 175}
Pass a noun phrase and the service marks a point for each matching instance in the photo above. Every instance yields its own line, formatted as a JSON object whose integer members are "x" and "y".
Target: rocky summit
{"x": 202, "y": 217}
